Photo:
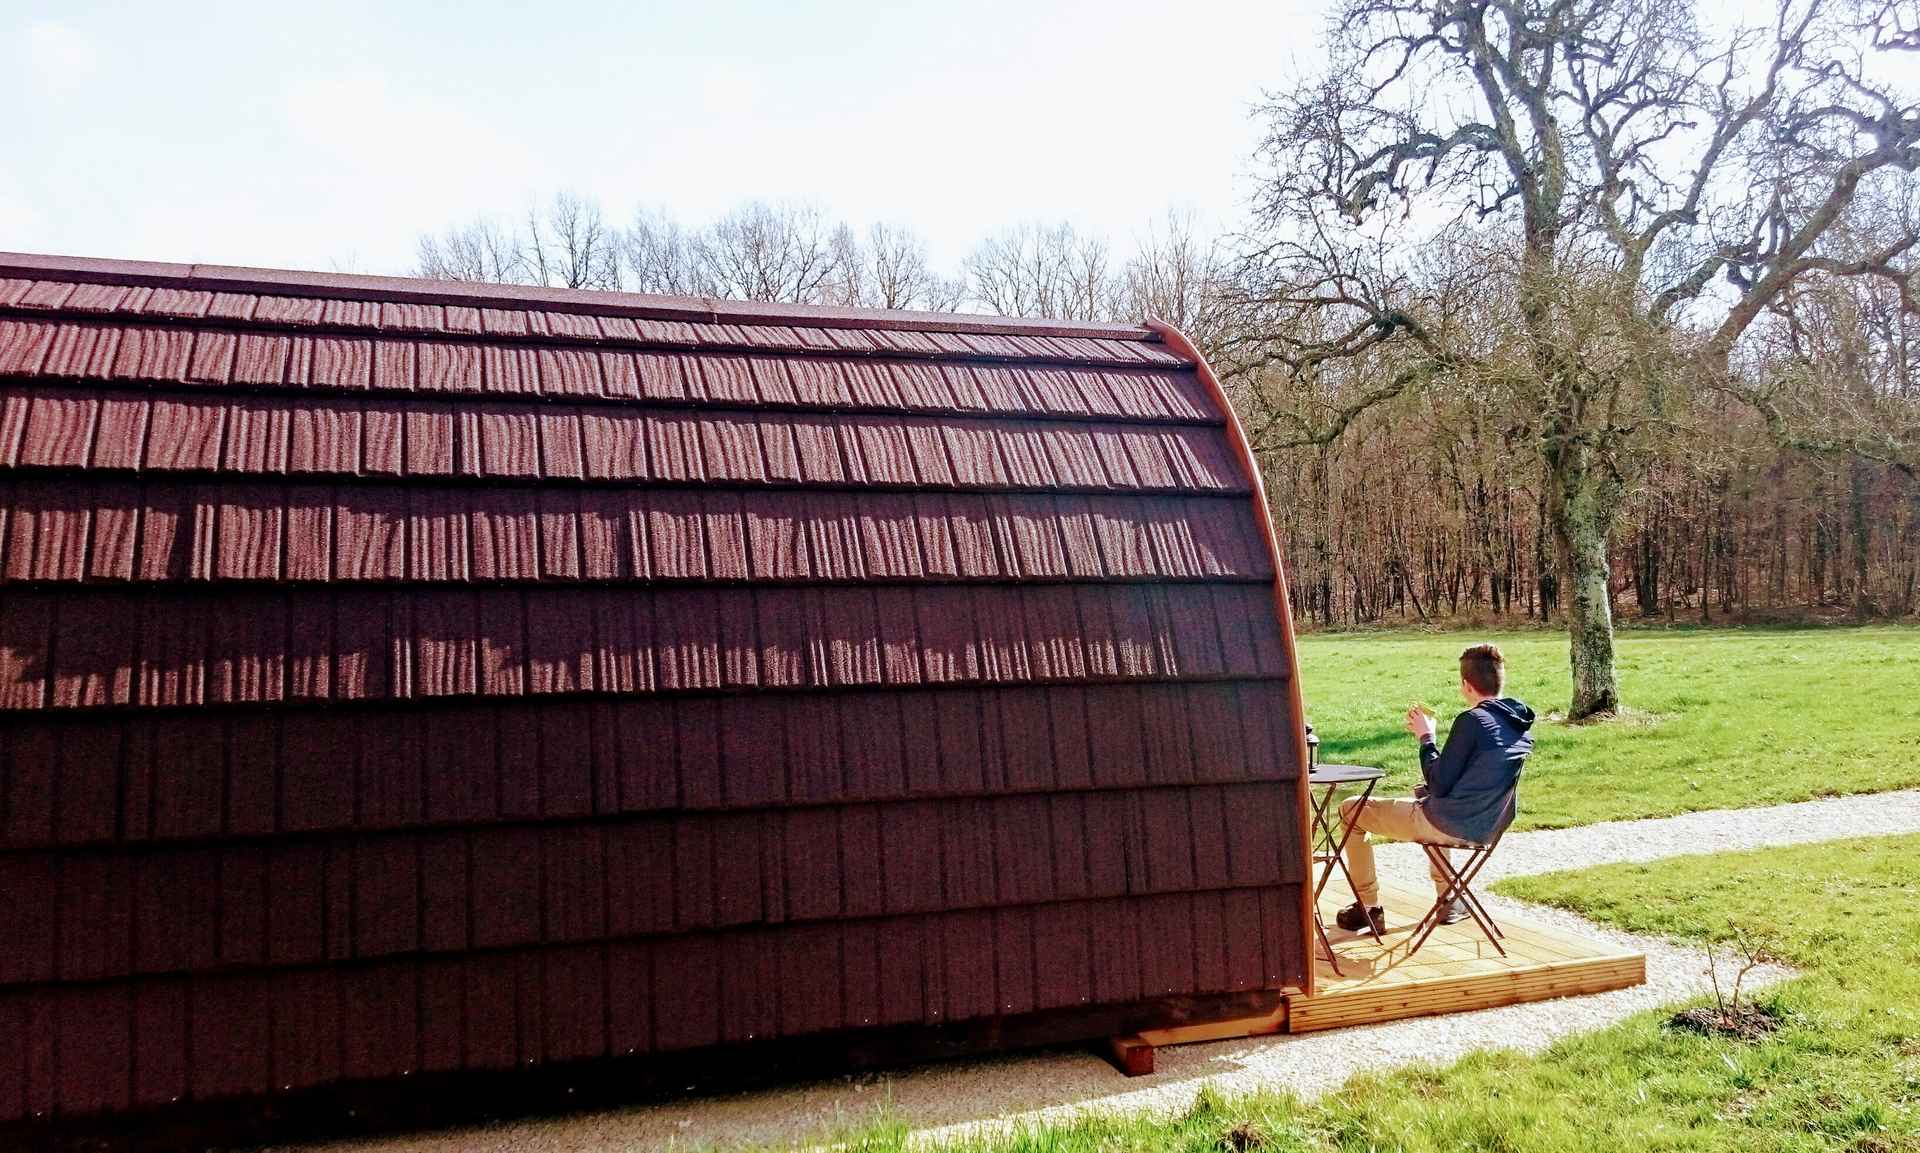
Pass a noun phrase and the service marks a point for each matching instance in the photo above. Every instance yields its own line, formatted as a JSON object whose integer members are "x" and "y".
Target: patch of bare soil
{"x": 1741, "y": 1022}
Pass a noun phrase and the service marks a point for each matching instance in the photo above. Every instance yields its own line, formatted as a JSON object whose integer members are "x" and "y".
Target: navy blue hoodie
{"x": 1468, "y": 781}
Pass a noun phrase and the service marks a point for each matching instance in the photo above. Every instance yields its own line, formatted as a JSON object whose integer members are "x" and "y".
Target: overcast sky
{"x": 330, "y": 135}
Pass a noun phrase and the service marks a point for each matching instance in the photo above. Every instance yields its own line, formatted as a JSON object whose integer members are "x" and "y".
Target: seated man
{"x": 1464, "y": 800}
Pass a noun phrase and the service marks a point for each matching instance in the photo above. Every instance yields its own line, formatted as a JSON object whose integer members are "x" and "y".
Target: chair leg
{"x": 1424, "y": 927}
{"x": 1474, "y": 905}
{"x": 1458, "y": 888}
{"x": 1333, "y": 959}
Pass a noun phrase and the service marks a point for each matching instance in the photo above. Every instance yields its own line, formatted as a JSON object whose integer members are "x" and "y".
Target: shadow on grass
{"x": 1386, "y": 747}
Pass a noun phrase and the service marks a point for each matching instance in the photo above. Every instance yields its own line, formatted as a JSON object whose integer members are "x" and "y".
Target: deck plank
{"x": 1456, "y": 971}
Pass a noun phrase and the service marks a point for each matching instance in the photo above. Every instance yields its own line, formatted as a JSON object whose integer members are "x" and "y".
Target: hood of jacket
{"x": 1512, "y": 709}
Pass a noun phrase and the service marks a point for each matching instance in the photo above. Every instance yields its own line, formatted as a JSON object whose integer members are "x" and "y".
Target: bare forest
{"x": 1561, "y": 310}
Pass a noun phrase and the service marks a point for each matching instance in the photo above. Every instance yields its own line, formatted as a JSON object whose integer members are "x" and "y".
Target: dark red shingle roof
{"x": 496, "y": 676}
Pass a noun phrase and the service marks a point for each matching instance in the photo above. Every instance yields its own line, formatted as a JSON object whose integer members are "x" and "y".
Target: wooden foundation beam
{"x": 1131, "y": 1055}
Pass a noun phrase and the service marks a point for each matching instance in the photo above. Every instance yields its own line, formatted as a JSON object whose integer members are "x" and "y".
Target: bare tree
{"x": 1651, "y": 189}
{"x": 658, "y": 255}
{"x": 850, "y": 284}
{"x": 899, "y": 273}
{"x": 790, "y": 253}
{"x": 480, "y": 251}
{"x": 1176, "y": 274}
{"x": 760, "y": 251}
{"x": 1037, "y": 270}
{"x": 570, "y": 245}
{"x": 566, "y": 245}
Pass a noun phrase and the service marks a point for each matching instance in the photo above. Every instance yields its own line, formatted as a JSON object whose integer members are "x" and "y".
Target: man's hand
{"x": 1420, "y": 724}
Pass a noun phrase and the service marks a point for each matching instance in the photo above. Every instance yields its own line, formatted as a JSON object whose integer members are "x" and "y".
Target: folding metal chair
{"x": 1460, "y": 886}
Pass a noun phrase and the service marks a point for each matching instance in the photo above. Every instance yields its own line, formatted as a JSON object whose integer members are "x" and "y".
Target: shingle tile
{"x": 1125, "y": 542}
{"x": 59, "y": 427}
{"x": 407, "y": 316}
{"x": 1023, "y": 449}
{"x": 1052, "y": 619}
{"x": 340, "y": 362}
{"x": 1085, "y": 543}
{"x": 833, "y": 536}
{"x": 439, "y": 536}
{"x": 370, "y": 527}
{"x": 972, "y": 521}
{"x": 1034, "y": 536}
{"x": 819, "y": 448}
{"x": 117, "y": 507}
{"x": 619, "y": 374}
{"x": 899, "y": 636}
{"x": 394, "y": 365}
{"x": 949, "y": 642}
{"x": 257, "y": 437}
{"x": 84, "y": 351}
{"x": 613, "y": 535}
{"x": 848, "y": 626}
{"x": 686, "y": 639}
{"x": 47, "y": 532}
{"x": 153, "y": 354}
{"x": 1051, "y": 390}
{"x": 185, "y": 433}
{"x": 1074, "y": 458}
{"x": 676, "y": 536}
{"x": 730, "y": 446}
{"x": 770, "y": 380}
{"x": 726, "y": 378}
{"x": 778, "y": 450}
{"x": 819, "y": 382}
{"x": 505, "y": 536}
{"x": 249, "y": 532}
{"x": 447, "y": 367}
{"x": 385, "y": 432}
{"x": 887, "y": 536}
{"x": 23, "y": 346}
{"x": 183, "y": 303}
{"x": 780, "y": 621}
{"x": 623, "y": 631}
{"x": 1003, "y": 641}
{"x": 445, "y": 642}
{"x": 673, "y": 447}
{"x": 559, "y": 514}
{"x": 777, "y": 536}
{"x": 326, "y": 437}
{"x": 884, "y": 450}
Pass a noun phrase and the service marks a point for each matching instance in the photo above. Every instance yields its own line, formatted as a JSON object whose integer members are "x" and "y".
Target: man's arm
{"x": 1442, "y": 767}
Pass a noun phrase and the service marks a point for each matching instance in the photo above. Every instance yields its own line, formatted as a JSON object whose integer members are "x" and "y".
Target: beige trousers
{"x": 1397, "y": 819}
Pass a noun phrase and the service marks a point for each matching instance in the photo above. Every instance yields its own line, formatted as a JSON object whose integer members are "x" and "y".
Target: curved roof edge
{"x": 1178, "y": 344}
{"x": 354, "y": 286}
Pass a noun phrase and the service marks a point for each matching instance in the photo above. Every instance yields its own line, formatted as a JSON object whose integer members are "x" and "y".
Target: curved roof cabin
{"x": 406, "y": 679}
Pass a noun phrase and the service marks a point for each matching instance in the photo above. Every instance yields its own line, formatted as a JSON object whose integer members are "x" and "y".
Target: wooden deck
{"x": 1457, "y": 970}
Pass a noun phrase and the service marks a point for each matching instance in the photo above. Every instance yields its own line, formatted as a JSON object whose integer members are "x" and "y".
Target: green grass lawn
{"x": 1717, "y": 718}
{"x": 1842, "y": 1074}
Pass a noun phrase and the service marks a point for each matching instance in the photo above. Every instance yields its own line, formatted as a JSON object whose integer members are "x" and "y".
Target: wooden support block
{"x": 1264, "y": 1025}
{"x": 1131, "y": 1055}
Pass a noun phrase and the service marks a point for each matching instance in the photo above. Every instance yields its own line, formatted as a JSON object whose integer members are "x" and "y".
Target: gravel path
{"x": 955, "y": 1097}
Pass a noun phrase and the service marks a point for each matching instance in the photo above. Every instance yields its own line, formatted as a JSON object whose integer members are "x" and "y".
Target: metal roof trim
{"x": 355, "y": 286}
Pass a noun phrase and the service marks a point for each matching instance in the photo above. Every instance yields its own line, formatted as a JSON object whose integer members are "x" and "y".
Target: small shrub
{"x": 1730, "y": 1015}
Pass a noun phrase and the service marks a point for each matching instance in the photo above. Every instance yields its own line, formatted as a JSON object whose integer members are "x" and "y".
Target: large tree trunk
{"x": 1860, "y": 492}
{"x": 1583, "y": 514}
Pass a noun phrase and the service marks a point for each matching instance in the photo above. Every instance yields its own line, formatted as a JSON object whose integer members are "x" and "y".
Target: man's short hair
{"x": 1484, "y": 668}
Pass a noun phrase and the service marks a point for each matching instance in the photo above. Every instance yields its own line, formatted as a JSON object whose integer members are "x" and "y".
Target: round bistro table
{"x": 1329, "y": 844}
